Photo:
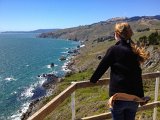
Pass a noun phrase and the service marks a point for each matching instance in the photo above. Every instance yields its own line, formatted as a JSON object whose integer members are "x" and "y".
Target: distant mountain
{"x": 44, "y": 30}
{"x": 34, "y": 31}
{"x": 104, "y": 29}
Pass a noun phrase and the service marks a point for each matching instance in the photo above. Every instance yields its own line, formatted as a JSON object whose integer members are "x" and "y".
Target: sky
{"x": 26, "y": 15}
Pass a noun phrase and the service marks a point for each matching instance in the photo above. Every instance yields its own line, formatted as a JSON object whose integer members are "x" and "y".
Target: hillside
{"x": 104, "y": 29}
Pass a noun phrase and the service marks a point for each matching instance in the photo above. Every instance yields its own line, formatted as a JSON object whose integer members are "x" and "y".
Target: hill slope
{"x": 104, "y": 29}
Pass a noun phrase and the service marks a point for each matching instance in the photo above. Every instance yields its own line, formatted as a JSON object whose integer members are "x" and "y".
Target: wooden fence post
{"x": 156, "y": 97}
{"x": 73, "y": 104}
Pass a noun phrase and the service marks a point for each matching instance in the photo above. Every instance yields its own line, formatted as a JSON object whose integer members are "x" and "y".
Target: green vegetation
{"x": 81, "y": 76}
{"x": 142, "y": 30}
{"x": 152, "y": 39}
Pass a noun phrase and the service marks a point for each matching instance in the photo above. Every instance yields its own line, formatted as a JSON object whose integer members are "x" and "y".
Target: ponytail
{"x": 141, "y": 52}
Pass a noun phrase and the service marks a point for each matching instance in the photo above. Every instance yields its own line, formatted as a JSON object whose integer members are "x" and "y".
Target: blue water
{"x": 22, "y": 58}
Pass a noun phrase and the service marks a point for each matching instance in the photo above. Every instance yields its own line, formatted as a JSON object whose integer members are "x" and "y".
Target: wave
{"x": 27, "y": 92}
{"x": 10, "y": 78}
{"x": 41, "y": 80}
{"x": 54, "y": 72}
{"x": 14, "y": 92}
{"x": 65, "y": 67}
{"x": 49, "y": 66}
{"x": 82, "y": 46}
{"x": 65, "y": 52}
{"x": 65, "y": 48}
{"x": 17, "y": 115}
{"x": 27, "y": 65}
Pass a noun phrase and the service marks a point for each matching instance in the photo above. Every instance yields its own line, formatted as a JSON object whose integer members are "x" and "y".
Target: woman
{"x": 124, "y": 58}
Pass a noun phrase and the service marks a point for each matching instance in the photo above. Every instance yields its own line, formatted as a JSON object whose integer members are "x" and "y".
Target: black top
{"x": 125, "y": 73}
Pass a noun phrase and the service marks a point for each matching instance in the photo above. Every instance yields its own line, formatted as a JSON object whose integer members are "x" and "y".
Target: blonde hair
{"x": 125, "y": 32}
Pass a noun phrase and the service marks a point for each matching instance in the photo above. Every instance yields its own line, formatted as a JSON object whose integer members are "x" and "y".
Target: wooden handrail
{"x": 104, "y": 81}
{"x": 151, "y": 75}
{"x": 50, "y": 106}
{"x": 84, "y": 84}
{"x": 108, "y": 115}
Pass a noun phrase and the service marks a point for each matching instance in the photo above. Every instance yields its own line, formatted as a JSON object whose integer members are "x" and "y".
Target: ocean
{"x": 24, "y": 56}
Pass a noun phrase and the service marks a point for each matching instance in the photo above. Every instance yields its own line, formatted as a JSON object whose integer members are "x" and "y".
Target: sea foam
{"x": 49, "y": 66}
{"x": 17, "y": 115}
{"x": 10, "y": 78}
{"x": 28, "y": 92}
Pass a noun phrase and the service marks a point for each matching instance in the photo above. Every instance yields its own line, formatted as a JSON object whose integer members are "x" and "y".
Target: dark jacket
{"x": 125, "y": 73}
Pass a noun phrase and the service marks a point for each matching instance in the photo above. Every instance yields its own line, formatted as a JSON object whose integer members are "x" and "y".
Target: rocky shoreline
{"x": 50, "y": 85}
{"x": 37, "y": 103}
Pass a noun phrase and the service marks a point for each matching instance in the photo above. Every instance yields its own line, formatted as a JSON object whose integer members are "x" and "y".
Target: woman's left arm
{"x": 103, "y": 65}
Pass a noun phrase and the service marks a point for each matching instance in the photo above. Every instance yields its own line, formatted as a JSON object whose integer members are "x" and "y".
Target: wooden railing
{"x": 51, "y": 106}
{"x": 108, "y": 115}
